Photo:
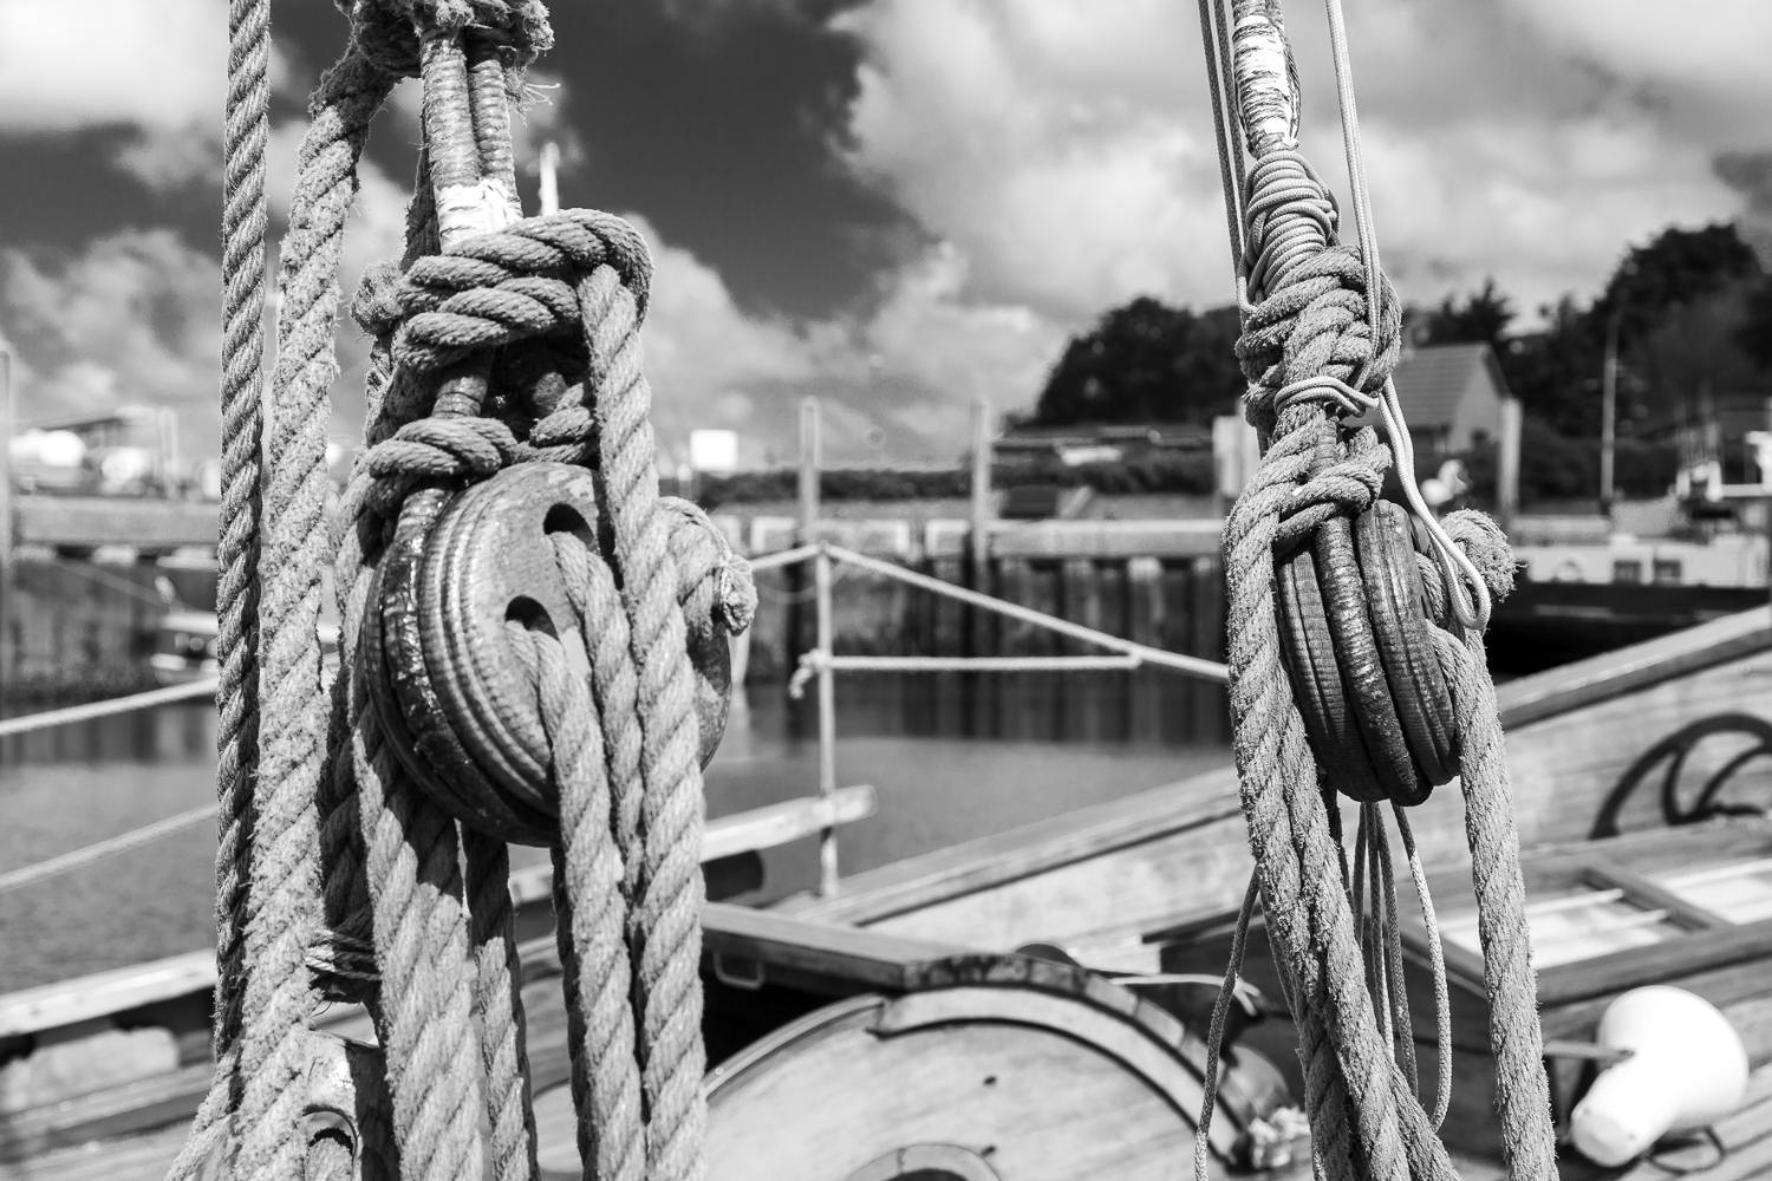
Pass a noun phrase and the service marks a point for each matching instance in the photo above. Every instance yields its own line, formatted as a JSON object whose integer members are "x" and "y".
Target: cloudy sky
{"x": 898, "y": 205}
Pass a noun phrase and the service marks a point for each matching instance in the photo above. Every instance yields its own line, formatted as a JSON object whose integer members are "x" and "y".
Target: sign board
{"x": 714, "y": 452}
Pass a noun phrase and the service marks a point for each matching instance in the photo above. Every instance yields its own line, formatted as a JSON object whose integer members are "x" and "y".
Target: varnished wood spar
{"x": 1606, "y": 677}
{"x": 1173, "y": 852}
{"x": 106, "y": 994}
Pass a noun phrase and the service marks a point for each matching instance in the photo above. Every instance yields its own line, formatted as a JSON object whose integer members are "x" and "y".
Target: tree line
{"x": 1690, "y": 310}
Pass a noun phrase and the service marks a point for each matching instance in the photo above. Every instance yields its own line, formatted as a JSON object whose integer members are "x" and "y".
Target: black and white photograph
{"x": 885, "y": 590}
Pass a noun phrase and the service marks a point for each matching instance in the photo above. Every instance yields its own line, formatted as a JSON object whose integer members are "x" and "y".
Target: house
{"x": 1451, "y": 396}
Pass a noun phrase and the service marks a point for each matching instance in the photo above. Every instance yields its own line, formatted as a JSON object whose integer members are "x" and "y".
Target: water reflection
{"x": 172, "y": 734}
{"x": 951, "y": 757}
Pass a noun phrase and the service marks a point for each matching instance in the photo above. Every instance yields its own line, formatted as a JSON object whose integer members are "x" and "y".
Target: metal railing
{"x": 818, "y": 666}
{"x": 821, "y": 665}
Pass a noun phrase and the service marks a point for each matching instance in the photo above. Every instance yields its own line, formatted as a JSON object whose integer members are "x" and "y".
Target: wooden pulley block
{"x": 465, "y": 715}
{"x": 1317, "y": 686}
{"x": 1344, "y": 584}
{"x": 1394, "y": 595}
{"x": 414, "y": 720}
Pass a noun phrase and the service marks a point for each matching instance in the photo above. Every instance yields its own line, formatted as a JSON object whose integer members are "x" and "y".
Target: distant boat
{"x": 185, "y": 646}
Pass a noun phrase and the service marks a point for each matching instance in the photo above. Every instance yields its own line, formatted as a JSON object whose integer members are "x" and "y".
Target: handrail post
{"x": 827, "y": 720}
{"x": 979, "y": 547}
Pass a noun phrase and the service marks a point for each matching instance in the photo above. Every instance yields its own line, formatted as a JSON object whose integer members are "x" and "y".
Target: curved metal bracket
{"x": 1671, "y": 756}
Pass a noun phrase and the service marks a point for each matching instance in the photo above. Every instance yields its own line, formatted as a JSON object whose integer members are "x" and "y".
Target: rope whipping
{"x": 505, "y": 393}
{"x": 1321, "y": 337}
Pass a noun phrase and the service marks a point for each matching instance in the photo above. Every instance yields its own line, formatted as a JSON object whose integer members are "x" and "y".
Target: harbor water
{"x": 951, "y": 756}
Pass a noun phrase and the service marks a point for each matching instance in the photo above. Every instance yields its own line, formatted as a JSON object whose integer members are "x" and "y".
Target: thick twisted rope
{"x": 593, "y": 896}
{"x": 244, "y": 228}
{"x": 284, "y": 878}
{"x": 1320, "y": 342}
{"x": 552, "y": 305}
{"x": 498, "y": 1007}
{"x": 670, "y": 884}
{"x": 244, "y": 225}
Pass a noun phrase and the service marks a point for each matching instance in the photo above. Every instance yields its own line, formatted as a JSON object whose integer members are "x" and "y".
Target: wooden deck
{"x": 1100, "y": 883}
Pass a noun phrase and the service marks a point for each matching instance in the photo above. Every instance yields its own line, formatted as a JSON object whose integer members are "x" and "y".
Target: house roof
{"x": 1433, "y": 379}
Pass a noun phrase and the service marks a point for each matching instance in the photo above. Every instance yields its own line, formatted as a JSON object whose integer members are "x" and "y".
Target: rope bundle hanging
{"x": 535, "y": 651}
{"x": 1355, "y": 649}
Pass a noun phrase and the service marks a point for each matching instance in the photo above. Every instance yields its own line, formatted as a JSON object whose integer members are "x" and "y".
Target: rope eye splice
{"x": 1355, "y": 651}
{"x": 536, "y": 652}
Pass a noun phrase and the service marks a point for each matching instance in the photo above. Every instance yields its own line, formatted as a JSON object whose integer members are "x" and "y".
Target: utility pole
{"x": 1507, "y": 465}
{"x": 1609, "y": 408}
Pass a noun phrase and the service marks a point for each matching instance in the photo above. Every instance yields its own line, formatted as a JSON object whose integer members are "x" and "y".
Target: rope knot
{"x": 519, "y": 283}
{"x": 1483, "y": 542}
{"x": 1321, "y": 482}
{"x": 443, "y": 449}
{"x": 1311, "y": 341}
{"x": 714, "y": 583}
{"x": 376, "y": 306}
{"x": 390, "y": 33}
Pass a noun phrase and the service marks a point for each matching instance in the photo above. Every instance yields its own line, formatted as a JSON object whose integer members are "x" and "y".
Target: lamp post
{"x": 1609, "y": 408}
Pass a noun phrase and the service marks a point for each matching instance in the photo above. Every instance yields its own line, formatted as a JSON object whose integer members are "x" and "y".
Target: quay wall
{"x": 78, "y": 628}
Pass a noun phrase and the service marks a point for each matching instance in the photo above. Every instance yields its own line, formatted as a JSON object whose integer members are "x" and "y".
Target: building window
{"x": 1669, "y": 571}
{"x": 1627, "y": 570}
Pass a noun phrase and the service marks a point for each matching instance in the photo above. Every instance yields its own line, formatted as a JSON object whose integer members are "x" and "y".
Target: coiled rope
{"x": 1320, "y": 339}
{"x": 362, "y": 866}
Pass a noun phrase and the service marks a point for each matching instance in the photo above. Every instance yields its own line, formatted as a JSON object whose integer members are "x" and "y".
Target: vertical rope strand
{"x": 244, "y": 231}
{"x": 285, "y": 871}
{"x": 498, "y": 1004}
{"x": 672, "y": 889}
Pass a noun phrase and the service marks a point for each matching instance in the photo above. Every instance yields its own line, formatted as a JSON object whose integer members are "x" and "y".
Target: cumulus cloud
{"x": 895, "y": 378}
{"x": 134, "y": 315}
{"x": 157, "y": 66}
{"x": 130, "y": 319}
{"x": 1067, "y": 153}
{"x": 152, "y": 81}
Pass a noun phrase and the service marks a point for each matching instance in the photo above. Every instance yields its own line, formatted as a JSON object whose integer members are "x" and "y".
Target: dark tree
{"x": 1479, "y": 318}
{"x": 1683, "y": 277}
{"x": 1146, "y": 361}
{"x": 1695, "y": 357}
{"x": 1754, "y": 334}
{"x": 1675, "y": 268}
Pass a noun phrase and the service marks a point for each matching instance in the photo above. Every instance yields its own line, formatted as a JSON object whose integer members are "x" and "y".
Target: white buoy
{"x": 1687, "y": 1069}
